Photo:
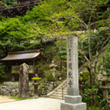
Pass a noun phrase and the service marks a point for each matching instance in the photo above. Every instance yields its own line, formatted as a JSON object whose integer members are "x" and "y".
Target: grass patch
{"x": 1, "y": 84}
{"x": 93, "y": 108}
{"x": 17, "y": 98}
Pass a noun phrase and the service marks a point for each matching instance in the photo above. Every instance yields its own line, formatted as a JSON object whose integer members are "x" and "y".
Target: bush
{"x": 48, "y": 75}
{"x": 93, "y": 108}
{"x": 93, "y": 97}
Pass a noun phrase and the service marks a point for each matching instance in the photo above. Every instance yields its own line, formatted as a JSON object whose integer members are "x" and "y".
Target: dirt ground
{"x": 5, "y": 99}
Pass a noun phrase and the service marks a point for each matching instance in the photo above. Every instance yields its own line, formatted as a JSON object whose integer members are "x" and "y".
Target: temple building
{"x": 15, "y": 59}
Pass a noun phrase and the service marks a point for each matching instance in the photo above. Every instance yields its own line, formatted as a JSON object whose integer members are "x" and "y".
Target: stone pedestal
{"x": 73, "y": 100}
{"x": 36, "y": 84}
{"x": 73, "y": 103}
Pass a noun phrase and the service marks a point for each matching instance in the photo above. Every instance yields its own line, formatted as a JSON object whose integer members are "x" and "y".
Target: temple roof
{"x": 22, "y": 55}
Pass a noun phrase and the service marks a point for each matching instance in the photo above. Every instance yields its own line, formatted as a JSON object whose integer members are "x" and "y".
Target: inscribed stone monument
{"x": 73, "y": 100}
{"x": 24, "y": 80}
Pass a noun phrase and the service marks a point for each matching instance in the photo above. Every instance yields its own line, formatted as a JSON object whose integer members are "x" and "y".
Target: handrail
{"x": 57, "y": 87}
{"x": 63, "y": 90}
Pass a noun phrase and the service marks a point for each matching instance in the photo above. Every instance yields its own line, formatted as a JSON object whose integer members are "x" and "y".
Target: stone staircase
{"x": 59, "y": 92}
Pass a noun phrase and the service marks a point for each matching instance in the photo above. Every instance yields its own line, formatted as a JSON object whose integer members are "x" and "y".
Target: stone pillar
{"x": 24, "y": 80}
{"x": 73, "y": 100}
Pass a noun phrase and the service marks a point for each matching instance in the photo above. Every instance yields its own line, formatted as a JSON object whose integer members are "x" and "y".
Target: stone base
{"x": 73, "y": 103}
{"x": 73, "y": 99}
{"x": 67, "y": 106}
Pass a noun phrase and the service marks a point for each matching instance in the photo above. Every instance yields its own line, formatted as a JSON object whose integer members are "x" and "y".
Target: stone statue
{"x": 53, "y": 68}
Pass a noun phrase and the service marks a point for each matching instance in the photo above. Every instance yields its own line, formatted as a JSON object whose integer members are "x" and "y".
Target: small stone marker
{"x": 73, "y": 100}
{"x": 24, "y": 80}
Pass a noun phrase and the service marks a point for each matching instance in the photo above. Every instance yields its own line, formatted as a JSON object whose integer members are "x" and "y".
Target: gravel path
{"x": 5, "y": 99}
{"x": 33, "y": 104}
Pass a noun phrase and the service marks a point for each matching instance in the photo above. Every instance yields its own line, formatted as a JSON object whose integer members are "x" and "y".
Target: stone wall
{"x": 12, "y": 89}
{"x": 47, "y": 87}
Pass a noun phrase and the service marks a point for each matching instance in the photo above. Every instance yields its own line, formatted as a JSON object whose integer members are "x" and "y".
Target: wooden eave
{"x": 22, "y": 55}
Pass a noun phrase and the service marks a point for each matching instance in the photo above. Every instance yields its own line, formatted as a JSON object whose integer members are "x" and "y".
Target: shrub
{"x": 48, "y": 75}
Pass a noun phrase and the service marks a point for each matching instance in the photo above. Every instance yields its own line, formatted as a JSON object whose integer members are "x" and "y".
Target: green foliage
{"x": 62, "y": 53}
{"x": 89, "y": 94}
{"x": 15, "y": 36}
{"x": 51, "y": 17}
{"x": 104, "y": 65}
{"x": 17, "y": 98}
{"x": 48, "y": 75}
{"x": 56, "y": 16}
{"x": 12, "y": 34}
{"x": 103, "y": 103}
{"x": 94, "y": 97}
{"x": 93, "y": 108}
{"x": 49, "y": 51}
{"x": 85, "y": 75}
{"x": 2, "y": 69}
{"x": 8, "y": 3}
{"x": 98, "y": 40}
{"x": 57, "y": 75}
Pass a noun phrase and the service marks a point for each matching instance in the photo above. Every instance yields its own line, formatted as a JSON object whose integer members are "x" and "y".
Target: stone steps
{"x": 55, "y": 97}
{"x": 60, "y": 90}
{"x": 57, "y": 93}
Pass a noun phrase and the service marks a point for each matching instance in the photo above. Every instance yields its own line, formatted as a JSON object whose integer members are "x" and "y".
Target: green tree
{"x": 9, "y": 2}
{"x": 13, "y": 35}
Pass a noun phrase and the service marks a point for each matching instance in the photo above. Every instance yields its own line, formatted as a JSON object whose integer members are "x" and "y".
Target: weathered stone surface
{"x": 24, "y": 80}
{"x": 46, "y": 88}
{"x": 12, "y": 89}
{"x": 72, "y": 65}
{"x": 72, "y": 101}
{"x": 15, "y": 84}
{"x": 68, "y": 106}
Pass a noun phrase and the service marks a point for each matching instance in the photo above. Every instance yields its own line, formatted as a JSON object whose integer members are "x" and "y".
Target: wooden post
{"x": 34, "y": 66}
